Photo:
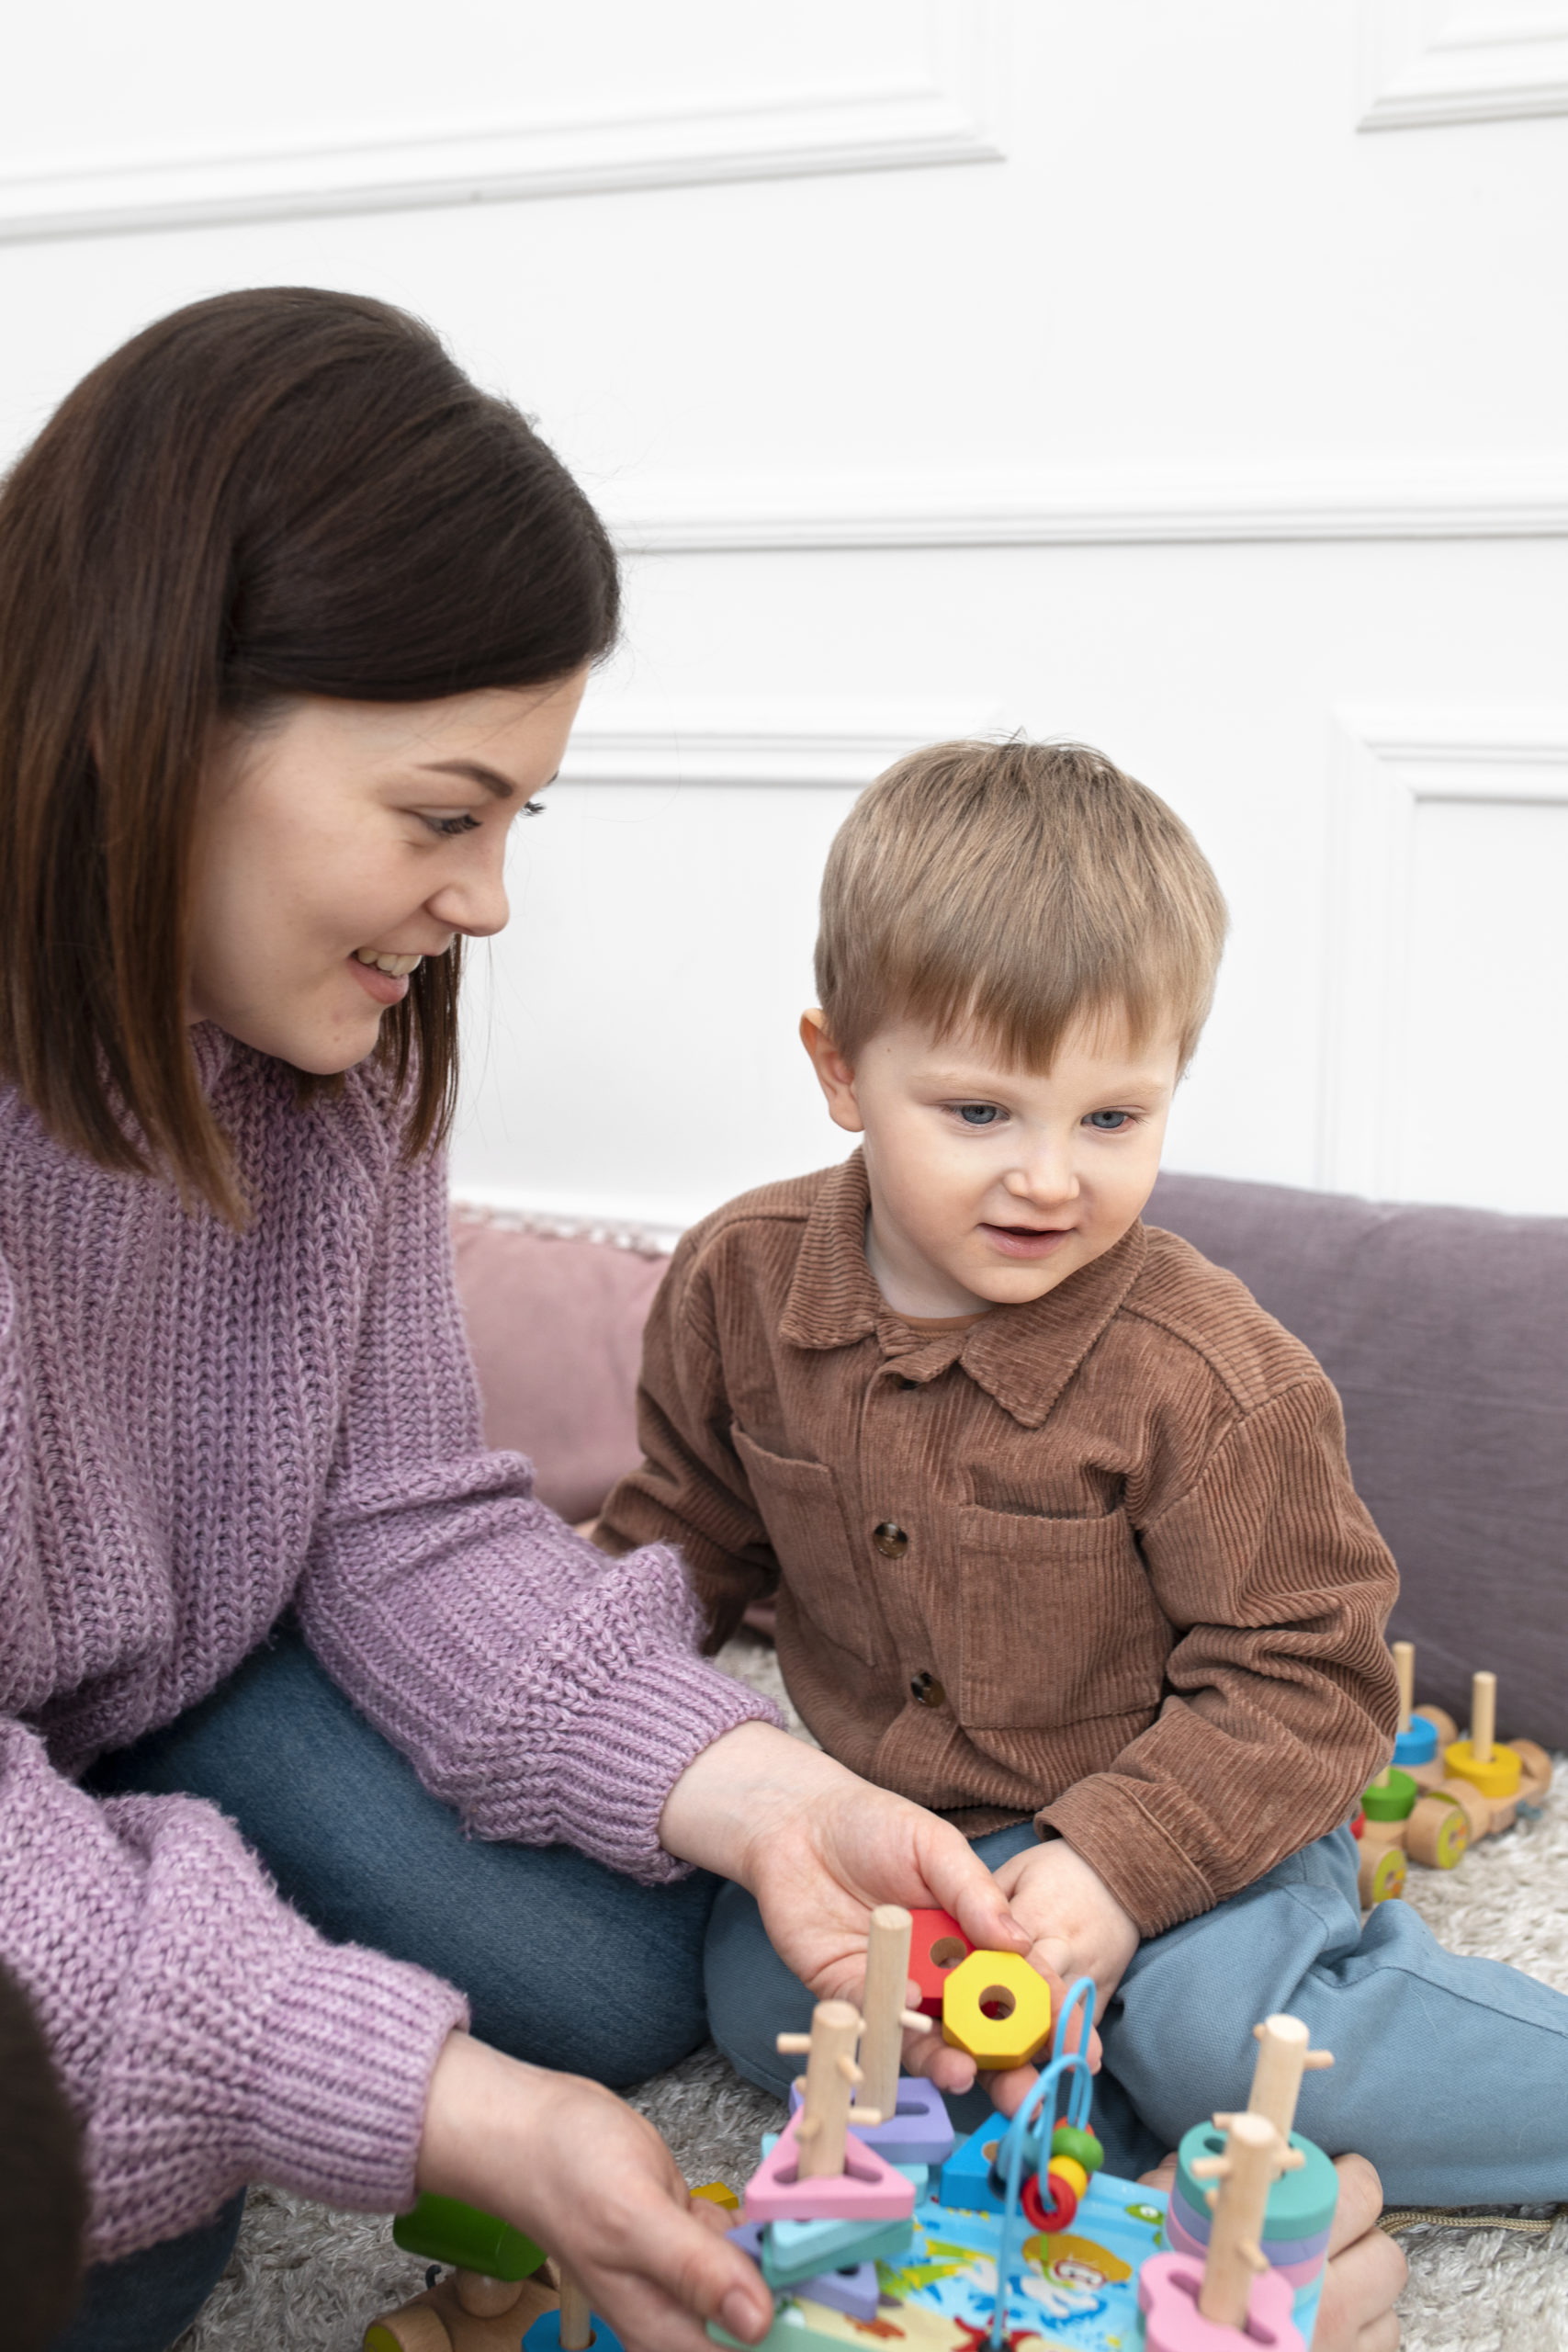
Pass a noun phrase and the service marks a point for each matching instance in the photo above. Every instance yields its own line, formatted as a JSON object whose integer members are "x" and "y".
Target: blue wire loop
{"x": 1069, "y": 2066}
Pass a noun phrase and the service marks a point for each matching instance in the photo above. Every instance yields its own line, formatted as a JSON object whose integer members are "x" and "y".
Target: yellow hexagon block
{"x": 996, "y": 2007}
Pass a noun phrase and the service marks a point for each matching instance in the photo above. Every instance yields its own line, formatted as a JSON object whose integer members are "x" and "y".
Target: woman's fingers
{"x": 961, "y": 1884}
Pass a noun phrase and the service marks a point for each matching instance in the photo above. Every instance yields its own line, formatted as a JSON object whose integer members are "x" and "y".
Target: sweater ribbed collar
{"x": 1021, "y": 1356}
{"x": 213, "y": 1049}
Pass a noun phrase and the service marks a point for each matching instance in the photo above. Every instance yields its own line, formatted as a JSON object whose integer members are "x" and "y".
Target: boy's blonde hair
{"x": 1016, "y": 888}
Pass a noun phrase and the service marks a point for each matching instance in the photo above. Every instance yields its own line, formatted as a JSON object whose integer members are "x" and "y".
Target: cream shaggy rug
{"x": 306, "y": 2279}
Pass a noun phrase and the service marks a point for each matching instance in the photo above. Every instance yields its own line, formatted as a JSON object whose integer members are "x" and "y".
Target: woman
{"x": 293, "y": 623}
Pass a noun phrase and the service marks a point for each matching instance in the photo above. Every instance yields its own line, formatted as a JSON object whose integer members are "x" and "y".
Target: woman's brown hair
{"x": 277, "y": 492}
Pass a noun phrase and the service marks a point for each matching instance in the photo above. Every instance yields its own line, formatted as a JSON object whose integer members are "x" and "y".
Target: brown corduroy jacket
{"x": 1096, "y": 1559}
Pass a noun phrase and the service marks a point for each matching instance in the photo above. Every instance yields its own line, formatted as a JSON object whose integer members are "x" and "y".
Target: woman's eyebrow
{"x": 492, "y": 779}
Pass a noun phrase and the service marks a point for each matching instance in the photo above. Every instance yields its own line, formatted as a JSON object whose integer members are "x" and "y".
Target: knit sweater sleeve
{"x": 550, "y": 1694}
{"x": 203, "y": 2034}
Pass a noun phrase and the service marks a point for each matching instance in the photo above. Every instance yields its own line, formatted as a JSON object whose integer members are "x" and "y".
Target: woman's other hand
{"x": 578, "y": 2171}
{"x": 820, "y": 1849}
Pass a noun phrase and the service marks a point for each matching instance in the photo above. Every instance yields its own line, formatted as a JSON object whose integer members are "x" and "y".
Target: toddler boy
{"x": 1060, "y": 1524}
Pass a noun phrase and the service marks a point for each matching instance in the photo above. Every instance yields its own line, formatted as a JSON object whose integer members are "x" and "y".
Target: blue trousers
{"x": 359, "y": 1846}
{"x": 1451, "y": 2075}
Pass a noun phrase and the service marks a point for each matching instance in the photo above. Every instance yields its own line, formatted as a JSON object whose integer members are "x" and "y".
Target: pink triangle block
{"x": 868, "y": 2190}
{"x": 1169, "y": 2287}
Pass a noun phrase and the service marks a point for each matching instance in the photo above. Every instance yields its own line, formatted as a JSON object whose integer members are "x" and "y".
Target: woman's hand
{"x": 820, "y": 1849}
{"x": 1365, "y": 2272}
{"x": 578, "y": 2171}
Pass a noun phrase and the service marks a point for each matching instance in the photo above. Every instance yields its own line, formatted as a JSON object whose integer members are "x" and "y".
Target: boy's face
{"x": 989, "y": 1186}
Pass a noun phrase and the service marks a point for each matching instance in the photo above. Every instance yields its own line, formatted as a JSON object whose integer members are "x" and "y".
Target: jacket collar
{"x": 1021, "y": 1356}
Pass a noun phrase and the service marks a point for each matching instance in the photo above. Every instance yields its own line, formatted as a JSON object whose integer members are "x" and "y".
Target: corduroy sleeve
{"x": 1282, "y": 1702}
{"x": 690, "y": 1489}
{"x": 551, "y": 1695}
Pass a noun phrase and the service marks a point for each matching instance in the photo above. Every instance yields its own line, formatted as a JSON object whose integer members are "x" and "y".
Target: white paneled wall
{"x": 1187, "y": 378}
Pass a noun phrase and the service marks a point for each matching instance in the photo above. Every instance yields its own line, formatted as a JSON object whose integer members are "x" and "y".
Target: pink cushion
{"x": 556, "y": 1328}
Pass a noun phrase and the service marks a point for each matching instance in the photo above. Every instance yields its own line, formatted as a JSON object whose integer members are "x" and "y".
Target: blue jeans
{"x": 1451, "y": 2075}
{"x": 366, "y": 1852}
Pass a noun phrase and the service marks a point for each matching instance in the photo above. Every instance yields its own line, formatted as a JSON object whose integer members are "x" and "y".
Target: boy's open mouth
{"x": 1026, "y": 1241}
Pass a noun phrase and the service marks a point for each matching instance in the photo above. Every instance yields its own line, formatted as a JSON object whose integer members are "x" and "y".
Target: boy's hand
{"x": 1076, "y": 1927}
{"x": 820, "y": 1849}
{"x": 1366, "y": 2269}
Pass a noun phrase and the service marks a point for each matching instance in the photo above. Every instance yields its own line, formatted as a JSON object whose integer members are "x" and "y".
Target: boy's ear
{"x": 834, "y": 1075}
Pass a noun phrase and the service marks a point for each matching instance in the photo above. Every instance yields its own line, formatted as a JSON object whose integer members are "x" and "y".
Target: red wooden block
{"x": 937, "y": 1944}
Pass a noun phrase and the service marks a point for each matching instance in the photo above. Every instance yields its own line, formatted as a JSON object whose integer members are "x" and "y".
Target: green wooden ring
{"x": 1066, "y": 2140}
{"x": 1391, "y": 1801}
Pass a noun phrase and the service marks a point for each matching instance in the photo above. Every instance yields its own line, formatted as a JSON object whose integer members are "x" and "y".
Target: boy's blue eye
{"x": 1109, "y": 1123}
{"x": 978, "y": 1114}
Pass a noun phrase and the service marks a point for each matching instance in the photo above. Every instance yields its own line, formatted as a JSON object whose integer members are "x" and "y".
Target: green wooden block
{"x": 443, "y": 2228}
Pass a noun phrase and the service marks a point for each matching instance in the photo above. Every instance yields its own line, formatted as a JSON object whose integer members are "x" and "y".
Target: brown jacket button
{"x": 927, "y": 1690}
{"x": 890, "y": 1540}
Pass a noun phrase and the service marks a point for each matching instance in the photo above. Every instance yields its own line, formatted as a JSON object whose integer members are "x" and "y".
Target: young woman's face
{"x": 343, "y": 842}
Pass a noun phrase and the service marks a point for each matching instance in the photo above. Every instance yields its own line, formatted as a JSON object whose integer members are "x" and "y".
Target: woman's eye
{"x": 532, "y": 809}
{"x": 978, "y": 1114}
{"x": 448, "y": 826}
{"x": 1109, "y": 1123}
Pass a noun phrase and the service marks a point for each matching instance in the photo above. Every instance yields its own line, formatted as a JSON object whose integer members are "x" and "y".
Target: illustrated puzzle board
{"x": 1073, "y": 2293}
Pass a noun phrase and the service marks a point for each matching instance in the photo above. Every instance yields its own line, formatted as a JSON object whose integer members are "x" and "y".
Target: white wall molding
{"x": 1462, "y": 497}
{"x": 1386, "y": 765}
{"x": 711, "y": 741}
{"x": 1462, "y": 61}
{"x": 936, "y": 115}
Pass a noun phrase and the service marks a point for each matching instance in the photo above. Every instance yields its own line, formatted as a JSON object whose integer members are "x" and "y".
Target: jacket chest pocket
{"x": 1058, "y": 1620}
{"x": 800, "y": 1507}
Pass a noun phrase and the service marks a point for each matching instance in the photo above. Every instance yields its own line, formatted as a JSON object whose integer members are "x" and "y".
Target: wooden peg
{"x": 1483, "y": 1716}
{"x": 887, "y": 1982}
{"x": 1283, "y": 2058}
{"x": 792, "y": 2045}
{"x": 485, "y": 2298}
{"x": 825, "y": 2113}
{"x": 1246, "y": 2171}
{"x": 1405, "y": 1667}
{"x": 576, "y": 2318}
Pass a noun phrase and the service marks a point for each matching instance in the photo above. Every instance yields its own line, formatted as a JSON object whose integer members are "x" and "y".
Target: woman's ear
{"x": 834, "y": 1075}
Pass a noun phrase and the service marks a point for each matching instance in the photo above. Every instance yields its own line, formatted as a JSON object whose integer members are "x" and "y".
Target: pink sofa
{"x": 1446, "y": 1331}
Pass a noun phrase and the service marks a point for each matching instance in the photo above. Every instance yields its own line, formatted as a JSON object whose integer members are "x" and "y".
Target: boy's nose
{"x": 1046, "y": 1177}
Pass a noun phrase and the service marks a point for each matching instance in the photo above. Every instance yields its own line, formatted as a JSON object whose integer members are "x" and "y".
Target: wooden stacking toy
{"x": 1240, "y": 2255}
{"x": 494, "y": 2293}
{"x": 835, "y": 2192}
{"x": 1441, "y": 1794}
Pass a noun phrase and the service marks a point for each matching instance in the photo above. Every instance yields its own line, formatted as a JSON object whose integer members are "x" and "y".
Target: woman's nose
{"x": 474, "y": 901}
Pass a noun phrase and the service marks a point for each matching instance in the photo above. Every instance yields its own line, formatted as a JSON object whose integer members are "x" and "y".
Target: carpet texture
{"x": 305, "y": 2280}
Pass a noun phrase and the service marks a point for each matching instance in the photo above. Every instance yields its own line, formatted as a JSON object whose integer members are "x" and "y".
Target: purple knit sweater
{"x": 197, "y": 1428}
